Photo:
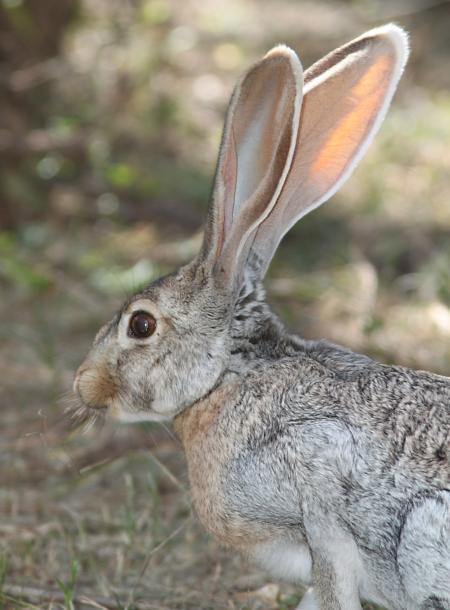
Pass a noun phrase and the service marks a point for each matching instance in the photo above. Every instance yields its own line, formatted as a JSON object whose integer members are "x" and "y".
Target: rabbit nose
{"x": 94, "y": 385}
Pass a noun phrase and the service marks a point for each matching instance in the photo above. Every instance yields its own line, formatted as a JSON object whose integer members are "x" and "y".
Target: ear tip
{"x": 396, "y": 36}
{"x": 281, "y": 49}
{"x": 285, "y": 52}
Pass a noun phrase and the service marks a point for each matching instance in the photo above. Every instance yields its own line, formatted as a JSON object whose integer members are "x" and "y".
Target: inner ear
{"x": 344, "y": 101}
{"x": 258, "y": 129}
{"x": 256, "y": 152}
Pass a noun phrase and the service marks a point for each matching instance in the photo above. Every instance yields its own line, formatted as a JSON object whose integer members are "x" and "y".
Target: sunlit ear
{"x": 256, "y": 153}
{"x": 346, "y": 96}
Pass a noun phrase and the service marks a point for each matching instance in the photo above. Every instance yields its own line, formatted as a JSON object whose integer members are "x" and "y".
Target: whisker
{"x": 80, "y": 415}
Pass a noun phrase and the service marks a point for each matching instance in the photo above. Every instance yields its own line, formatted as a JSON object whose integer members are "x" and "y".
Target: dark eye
{"x": 141, "y": 325}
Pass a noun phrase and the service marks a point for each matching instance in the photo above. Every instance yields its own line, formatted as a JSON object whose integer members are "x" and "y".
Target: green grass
{"x": 68, "y": 587}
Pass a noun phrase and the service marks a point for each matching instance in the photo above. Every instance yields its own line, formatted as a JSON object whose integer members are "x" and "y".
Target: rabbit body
{"x": 320, "y": 464}
{"x": 307, "y": 454}
{"x": 303, "y": 450}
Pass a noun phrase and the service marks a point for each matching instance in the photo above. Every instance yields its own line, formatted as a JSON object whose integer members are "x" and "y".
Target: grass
{"x": 104, "y": 519}
{"x": 68, "y": 587}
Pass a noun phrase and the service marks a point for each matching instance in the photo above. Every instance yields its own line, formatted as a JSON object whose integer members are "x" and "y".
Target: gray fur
{"x": 354, "y": 443}
{"x": 316, "y": 462}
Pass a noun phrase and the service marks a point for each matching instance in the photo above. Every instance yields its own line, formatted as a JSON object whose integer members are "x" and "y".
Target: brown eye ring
{"x": 141, "y": 325}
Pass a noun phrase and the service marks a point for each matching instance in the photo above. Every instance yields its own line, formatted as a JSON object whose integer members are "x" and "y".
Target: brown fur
{"x": 96, "y": 386}
{"x": 208, "y": 450}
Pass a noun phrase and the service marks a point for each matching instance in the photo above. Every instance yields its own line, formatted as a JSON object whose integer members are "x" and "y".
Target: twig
{"x": 34, "y": 595}
{"x": 167, "y": 472}
{"x": 152, "y": 552}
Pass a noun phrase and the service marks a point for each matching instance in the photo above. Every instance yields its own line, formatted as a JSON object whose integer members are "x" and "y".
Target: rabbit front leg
{"x": 336, "y": 565}
{"x": 334, "y": 587}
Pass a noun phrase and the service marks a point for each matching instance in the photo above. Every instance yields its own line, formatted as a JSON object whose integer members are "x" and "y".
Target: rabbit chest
{"x": 211, "y": 441}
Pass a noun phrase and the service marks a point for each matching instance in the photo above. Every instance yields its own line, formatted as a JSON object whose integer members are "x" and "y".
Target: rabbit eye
{"x": 141, "y": 325}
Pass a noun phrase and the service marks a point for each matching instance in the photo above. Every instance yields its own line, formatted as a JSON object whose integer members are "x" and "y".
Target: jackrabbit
{"x": 320, "y": 464}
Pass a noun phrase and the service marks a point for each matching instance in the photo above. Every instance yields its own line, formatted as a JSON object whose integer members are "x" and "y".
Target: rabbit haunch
{"x": 320, "y": 464}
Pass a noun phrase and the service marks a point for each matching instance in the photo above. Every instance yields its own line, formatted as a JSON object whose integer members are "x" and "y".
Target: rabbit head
{"x": 290, "y": 140}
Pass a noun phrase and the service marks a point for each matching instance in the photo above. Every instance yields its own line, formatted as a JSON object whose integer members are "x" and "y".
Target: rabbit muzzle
{"x": 95, "y": 386}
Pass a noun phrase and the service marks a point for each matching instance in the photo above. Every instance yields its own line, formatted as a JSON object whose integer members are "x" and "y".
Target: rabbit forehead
{"x": 188, "y": 298}
{"x": 186, "y": 285}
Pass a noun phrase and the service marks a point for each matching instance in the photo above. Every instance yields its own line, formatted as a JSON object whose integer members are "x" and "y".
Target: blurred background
{"x": 110, "y": 118}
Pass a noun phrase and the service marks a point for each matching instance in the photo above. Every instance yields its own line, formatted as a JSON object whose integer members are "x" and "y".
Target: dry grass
{"x": 103, "y": 519}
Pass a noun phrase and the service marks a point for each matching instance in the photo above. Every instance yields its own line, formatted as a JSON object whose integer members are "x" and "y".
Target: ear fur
{"x": 256, "y": 152}
{"x": 284, "y": 153}
{"x": 345, "y": 98}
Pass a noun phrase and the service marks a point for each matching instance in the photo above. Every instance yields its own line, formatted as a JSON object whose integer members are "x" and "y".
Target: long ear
{"x": 256, "y": 153}
{"x": 346, "y": 97}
